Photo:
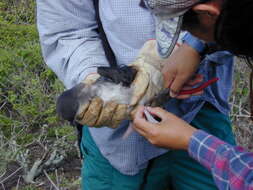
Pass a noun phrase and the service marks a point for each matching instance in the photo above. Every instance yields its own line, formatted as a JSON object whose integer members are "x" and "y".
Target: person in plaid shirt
{"x": 231, "y": 166}
{"x": 219, "y": 21}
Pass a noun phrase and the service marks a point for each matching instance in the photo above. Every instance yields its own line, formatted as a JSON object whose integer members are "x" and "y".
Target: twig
{"x": 241, "y": 115}
{"x": 3, "y": 105}
{"x": 3, "y": 186}
{"x": 244, "y": 110}
{"x": 78, "y": 150}
{"x": 10, "y": 175}
{"x": 232, "y": 104}
{"x": 3, "y": 175}
{"x": 35, "y": 170}
{"x": 39, "y": 165}
{"x": 17, "y": 186}
{"x": 57, "y": 178}
{"x": 57, "y": 188}
{"x": 240, "y": 107}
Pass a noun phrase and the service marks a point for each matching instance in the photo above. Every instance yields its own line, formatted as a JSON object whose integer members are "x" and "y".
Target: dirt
{"x": 69, "y": 170}
{"x": 13, "y": 175}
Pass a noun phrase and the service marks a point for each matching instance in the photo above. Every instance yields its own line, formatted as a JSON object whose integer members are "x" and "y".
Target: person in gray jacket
{"x": 72, "y": 48}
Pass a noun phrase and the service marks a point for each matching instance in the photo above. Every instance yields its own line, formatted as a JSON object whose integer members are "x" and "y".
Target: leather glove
{"x": 100, "y": 100}
{"x": 149, "y": 79}
{"x": 104, "y": 99}
{"x": 111, "y": 98}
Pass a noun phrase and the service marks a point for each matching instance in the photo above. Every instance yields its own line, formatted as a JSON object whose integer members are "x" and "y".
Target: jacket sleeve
{"x": 194, "y": 42}
{"x": 69, "y": 39}
{"x": 231, "y": 166}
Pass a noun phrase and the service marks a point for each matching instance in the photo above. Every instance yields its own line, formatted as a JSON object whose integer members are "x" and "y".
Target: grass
{"x": 29, "y": 128}
{"x": 240, "y": 108}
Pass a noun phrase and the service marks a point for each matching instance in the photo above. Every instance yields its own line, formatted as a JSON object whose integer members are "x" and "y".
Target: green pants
{"x": 173, "y": 170}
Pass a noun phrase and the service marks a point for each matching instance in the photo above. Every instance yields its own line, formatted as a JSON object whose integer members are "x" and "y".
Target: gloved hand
{"x": 149, "y": 79}
{"x": 110, "y": 99}
{"x": 98, "y": 102}
{"x": 106, "y": 107}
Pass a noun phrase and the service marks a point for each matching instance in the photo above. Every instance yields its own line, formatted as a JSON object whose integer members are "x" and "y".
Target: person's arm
{"x": 231, "y": 166}
{"x": 69, "y": 39}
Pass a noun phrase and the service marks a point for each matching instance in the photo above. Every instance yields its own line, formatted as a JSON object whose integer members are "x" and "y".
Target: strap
{"x": 110, "y": 58}
{"x": 107, "y": 48}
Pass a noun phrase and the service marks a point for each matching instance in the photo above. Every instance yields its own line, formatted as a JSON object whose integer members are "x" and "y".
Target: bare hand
{"x": 180, "y": 68}
{"x": 171, "y": 132}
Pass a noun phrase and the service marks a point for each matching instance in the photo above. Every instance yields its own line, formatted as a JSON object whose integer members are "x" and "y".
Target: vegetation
{"x": 30, "y": 132}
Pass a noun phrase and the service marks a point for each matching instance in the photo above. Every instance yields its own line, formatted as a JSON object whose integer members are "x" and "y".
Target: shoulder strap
{"x": 109, "y": 56}
{"x": 107, "y": 48}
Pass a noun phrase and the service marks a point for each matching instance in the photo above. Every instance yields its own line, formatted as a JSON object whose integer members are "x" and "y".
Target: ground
{"x": 37, "y": 149}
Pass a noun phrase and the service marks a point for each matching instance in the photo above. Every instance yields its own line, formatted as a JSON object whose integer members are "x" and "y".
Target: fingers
{"x": 168, "y": 79}
{"x": 91, "y": 115}
{"x": 158, "y": 112}
{"x": 170, "y": 82}
{"x": 119, "y": 115}
{"x": 189, "y": 85}
{"x": 188, "y": 96}
{"x": 81, "y": 112}
{"x": 140, "y": 121}
{"x": 106, "y": 114}
{"x": 141, "y": 125}
{"x": 112, "y": 115}
{"x": 197, "y": 79}
{"x": 177, "y": 85}
{"x": 139, "y": 85}
{"x": 96, "y": 113}
{"x": 169, "y": 73}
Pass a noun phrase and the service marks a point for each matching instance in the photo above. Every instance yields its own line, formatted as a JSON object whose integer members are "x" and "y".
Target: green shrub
{"x": 18, "y": 11}
{"x": 28, "y": 90}
{"x": 28, "y": 87}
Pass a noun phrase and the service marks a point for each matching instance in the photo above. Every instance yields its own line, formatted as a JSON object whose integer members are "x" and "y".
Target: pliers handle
{"x": 199, "y": 88}
{"x": 164, "y": 95}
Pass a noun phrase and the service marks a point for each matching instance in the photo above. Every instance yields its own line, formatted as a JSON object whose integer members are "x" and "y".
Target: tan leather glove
{"x": 149, "y": 79}
{"x": 105, "y": 107}
{"x": 102, "y": 103}
{"x": 91, "y": 78}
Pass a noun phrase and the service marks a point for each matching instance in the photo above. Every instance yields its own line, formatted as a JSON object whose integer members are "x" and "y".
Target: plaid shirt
{"x": 231, "y": 166}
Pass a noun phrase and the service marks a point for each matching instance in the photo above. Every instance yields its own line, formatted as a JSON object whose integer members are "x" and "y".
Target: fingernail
{"x": 173, "y": 94}
{"x": 148, "y": 108}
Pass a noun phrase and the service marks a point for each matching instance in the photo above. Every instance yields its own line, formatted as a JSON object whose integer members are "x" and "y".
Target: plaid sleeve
{"x": 231, "y": 166}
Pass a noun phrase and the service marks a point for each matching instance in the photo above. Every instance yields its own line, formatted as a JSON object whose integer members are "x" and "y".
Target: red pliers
{"x": 199, "y": 88}
{"x": 165, "y": 96}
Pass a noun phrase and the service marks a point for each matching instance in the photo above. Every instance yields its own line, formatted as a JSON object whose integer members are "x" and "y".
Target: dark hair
{"x": 234, "y": 32}
{"x": 234, "y": 27}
